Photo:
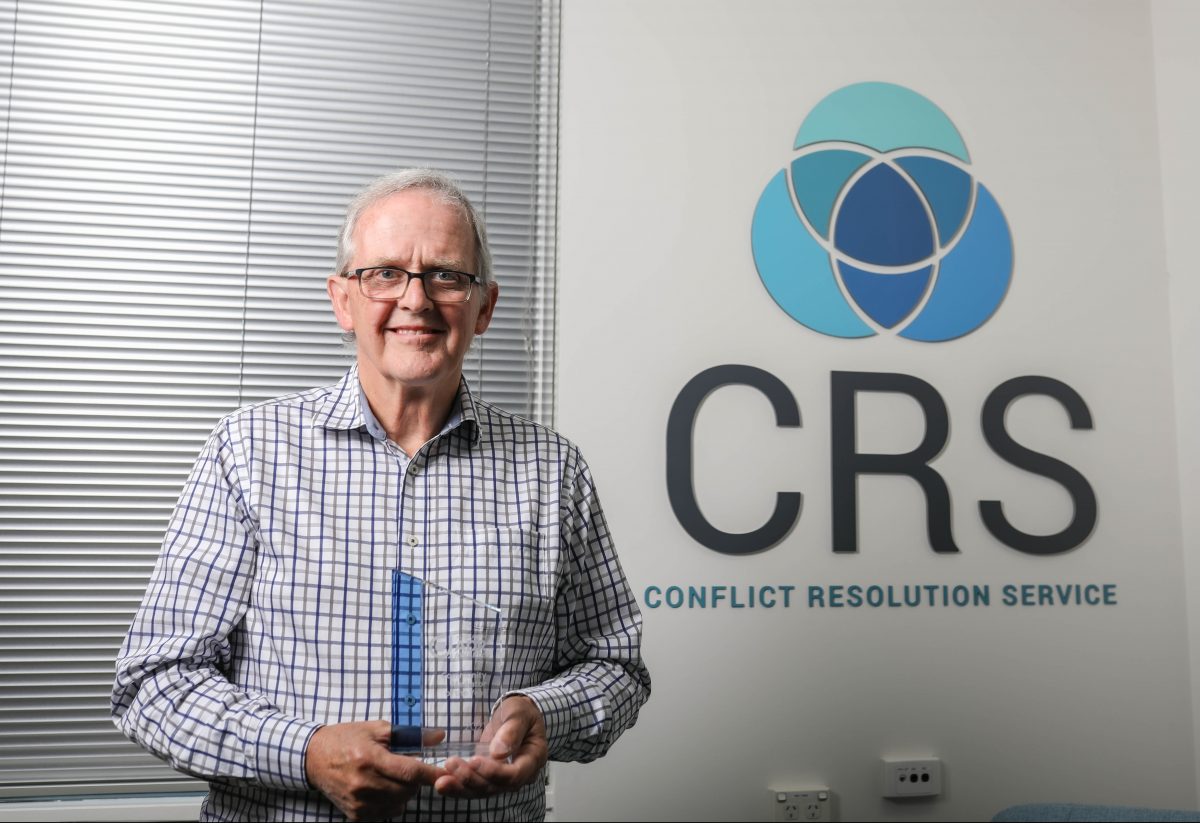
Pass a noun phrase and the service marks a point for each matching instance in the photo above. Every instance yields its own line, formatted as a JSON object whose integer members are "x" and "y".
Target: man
{"x": 265, "y": 658}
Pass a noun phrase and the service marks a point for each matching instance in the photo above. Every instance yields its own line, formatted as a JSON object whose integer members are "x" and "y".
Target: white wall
{"x": 674, "y": 115}
{"x": 1177, "y": 65}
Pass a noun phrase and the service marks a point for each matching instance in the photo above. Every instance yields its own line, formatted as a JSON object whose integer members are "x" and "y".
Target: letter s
{"x": 997, "y": 436}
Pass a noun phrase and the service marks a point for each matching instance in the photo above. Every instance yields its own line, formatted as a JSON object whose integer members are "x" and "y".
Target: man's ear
{"x": 485, "y": 313}
{"x": 339, "y": 296}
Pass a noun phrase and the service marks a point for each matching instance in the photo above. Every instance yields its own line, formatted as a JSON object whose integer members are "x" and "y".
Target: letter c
{"x": 680, "y": 481}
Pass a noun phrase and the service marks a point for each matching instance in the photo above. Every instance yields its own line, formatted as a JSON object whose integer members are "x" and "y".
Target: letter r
{"x": 847, "y": 463}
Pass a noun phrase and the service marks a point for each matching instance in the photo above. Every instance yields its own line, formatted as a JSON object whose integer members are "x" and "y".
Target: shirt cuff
{"x": 279, "y": 753}
{"x": 568, "y": 724}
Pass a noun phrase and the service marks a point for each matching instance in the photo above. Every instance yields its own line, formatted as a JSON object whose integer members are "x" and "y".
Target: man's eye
{"x": 383, "y": 275}
{"x": 444, "y": 277}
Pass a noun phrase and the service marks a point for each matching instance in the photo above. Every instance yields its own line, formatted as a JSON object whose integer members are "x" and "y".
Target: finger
{"x": 407, "y": 771}
{"x": 509, "y": 736}
{"x": 463, "y": 780}
{"x": 450, "y": 786}
{"x": 504, "y": 773}
{"x": 380, "y": 730}
{"x": 486, "y": 776}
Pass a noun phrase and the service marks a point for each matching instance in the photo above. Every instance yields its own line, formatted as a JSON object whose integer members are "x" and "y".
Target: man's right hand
{"x": 350, "y": 764}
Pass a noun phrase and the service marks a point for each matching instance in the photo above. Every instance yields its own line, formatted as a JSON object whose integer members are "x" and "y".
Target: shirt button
{"x": 410, "y": 619}
{"x": 410, "y": 700}
{"x": 413, "y": 468}
{"x": 412, "y": 540}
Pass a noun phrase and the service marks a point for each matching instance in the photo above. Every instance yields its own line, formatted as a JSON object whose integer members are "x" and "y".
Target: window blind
{"x": 174, "y": 174}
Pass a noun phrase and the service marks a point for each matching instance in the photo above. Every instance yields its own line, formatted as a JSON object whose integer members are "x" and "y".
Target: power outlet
{"x": 912, "y": 778}
{"x": 808, "y": 805}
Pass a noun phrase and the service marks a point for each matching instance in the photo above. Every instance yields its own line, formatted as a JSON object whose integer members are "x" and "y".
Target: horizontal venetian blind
{"x": 174, "y": 174}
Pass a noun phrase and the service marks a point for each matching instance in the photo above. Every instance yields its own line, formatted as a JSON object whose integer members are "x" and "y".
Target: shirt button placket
{"x": 410, "y": 495}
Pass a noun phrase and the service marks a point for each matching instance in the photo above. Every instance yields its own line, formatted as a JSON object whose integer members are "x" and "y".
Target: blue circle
{"x": 882, "y": 221}
{"x": 912, "y": 244}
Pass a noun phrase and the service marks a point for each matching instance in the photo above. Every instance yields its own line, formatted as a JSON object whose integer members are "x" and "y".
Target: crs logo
{"x": 878, "y": 226}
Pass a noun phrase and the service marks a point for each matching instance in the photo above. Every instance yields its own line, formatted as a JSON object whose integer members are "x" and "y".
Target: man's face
{"x": 411, "y": 340}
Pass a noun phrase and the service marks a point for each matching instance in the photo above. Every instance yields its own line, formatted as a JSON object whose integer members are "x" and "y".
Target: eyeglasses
{"x": 390, "y": 283}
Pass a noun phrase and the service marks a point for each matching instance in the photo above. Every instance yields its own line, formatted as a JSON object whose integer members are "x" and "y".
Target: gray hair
{"x": 429, "y": 180}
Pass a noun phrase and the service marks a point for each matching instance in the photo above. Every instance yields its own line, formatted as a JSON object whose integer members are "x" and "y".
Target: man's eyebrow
{"x": 437, "y": 264}
{"x": 445, "y": 263}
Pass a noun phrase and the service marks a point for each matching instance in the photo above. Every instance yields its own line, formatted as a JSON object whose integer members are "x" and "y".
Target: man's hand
{"x": 517, "y": 750}
{"x": 351, "y": 765}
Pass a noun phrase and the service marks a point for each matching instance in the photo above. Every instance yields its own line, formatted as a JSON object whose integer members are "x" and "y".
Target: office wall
{"x": 674, "y": 117}
{"x": 1176, "y": 25}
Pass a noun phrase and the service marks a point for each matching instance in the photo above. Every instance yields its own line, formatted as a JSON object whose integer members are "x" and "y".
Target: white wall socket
{"x": 805, "y": 805}
{"x": 912, "y": 778}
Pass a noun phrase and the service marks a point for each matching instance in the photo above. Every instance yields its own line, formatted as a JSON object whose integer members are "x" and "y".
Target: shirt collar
{"x": 340, "y": 407}
{"x": 468, "y": 414}
{"x": 345, "y": 407}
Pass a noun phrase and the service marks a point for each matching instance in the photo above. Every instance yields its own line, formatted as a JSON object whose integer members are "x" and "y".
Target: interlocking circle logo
{"x": 878, "y": 226}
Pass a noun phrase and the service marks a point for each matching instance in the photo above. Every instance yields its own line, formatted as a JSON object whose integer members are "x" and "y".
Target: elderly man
{"x": 265, "y": 656}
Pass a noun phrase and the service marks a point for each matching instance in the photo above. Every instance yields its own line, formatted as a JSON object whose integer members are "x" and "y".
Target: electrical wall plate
{"x": 919, "y": 777}
{"x": 802, "y": 805}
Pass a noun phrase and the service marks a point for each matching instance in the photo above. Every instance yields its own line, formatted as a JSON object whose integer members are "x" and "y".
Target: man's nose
{"x": 414, "y": 297}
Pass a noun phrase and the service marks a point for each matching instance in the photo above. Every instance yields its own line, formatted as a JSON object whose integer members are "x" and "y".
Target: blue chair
{"x": 1100, "y": 814}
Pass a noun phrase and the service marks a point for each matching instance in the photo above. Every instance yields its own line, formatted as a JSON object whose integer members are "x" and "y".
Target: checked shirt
{"x": 269, "y": 611}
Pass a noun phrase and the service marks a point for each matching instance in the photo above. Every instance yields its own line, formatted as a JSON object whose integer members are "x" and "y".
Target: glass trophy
{"x": 448, "y": 669}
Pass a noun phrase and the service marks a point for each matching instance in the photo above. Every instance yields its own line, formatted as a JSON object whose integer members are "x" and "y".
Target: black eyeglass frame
{"x": 413, "y": 275}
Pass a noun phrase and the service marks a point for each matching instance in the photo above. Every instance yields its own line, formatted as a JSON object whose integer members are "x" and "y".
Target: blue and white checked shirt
{"x": 269, "y": 611}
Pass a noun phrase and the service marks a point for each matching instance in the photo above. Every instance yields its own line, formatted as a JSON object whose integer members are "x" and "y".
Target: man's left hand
{"x": 517, "y": 751}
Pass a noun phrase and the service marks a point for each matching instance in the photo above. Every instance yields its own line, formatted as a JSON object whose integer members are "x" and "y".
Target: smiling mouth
{"x": 414, "y": 331}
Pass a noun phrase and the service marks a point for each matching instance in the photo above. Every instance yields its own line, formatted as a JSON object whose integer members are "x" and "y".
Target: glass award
{"x": 448, "y": 669}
